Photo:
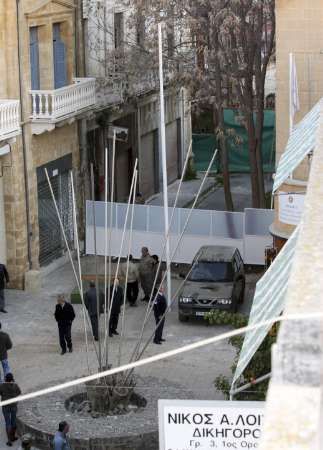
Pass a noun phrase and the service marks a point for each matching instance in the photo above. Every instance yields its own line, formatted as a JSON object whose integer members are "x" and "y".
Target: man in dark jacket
{"x": 116, "y": 303}
{"x": 4, "y": 278}
{"x": 5, "y": 345}
{"x": 160, "y": 307}
{"x": 8, "y": 390}
{"x": 91, "y": 303}
{"x": 64, "y": 315}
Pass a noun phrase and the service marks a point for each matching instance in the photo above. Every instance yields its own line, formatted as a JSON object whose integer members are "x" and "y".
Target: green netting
{"x": 204, "y": 145}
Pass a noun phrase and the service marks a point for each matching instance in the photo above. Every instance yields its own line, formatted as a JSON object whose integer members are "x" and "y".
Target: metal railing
{"x": 57, "y": 104}
{"x": 9, "y": 118}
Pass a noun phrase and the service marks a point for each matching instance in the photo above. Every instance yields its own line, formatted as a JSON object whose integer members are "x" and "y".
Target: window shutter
{"x": 34, "y": 59}
{"x": 60, "y": 78}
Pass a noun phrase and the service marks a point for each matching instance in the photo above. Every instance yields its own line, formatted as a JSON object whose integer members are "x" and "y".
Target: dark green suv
{"x": 216, "y": 281}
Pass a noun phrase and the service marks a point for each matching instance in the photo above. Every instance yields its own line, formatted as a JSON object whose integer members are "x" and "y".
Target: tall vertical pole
{"x": 164, "y": 160}
{"x": 96, "y": 266}
{"x": 105, "y": 235}
{"x": 107, "y": 311}
{"x": 291, "y": 118}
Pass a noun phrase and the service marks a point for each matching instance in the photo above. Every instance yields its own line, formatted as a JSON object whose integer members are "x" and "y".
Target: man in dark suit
{"x": 116, "y": 303}
{"x": 160, "y": 307}
{"x": 64, "y": 315}
{"x": 91, "y": 302}
{"x": 4, "y": 278}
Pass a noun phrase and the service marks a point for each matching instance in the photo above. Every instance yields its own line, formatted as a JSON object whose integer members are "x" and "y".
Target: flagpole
{"x": 164, "y": 161}
{"x": 291, "y": 114}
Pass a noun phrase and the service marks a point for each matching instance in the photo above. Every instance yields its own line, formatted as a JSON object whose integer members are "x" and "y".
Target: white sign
{"x": 291, "y": 208}
{"x": 209, "y": 425}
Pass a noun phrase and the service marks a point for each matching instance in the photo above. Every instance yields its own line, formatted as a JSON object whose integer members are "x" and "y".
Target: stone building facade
{"x": 109, "y": 31}
{"x": 60, "y": 119}
{"x": 298, "y": 31}
{"x": 38, "y": 63}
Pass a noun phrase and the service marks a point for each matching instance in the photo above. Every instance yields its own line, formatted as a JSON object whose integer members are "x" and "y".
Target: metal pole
{"x": 105, "y": 234}
{"x": 291, "y": 119}
{"x": 68, "y": 250}
{"x": 121, "y": 247}
{"x": 248, "y": 385}
{"x": 80, "y": 270}
{"x": 107, "y": 319}
{"x": 96, "y": 265}
{"x": 151, "y": 301}
{"x": 127, "y": 270}
{"x": 164, "y": 160}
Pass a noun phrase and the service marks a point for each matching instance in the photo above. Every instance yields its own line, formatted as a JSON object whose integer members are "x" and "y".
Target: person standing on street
{"x": 60, "y": 439}
{"x": 132, "y": 281}
{"x": 4, "y": 278}
{"x": 116, "y": 303}
{"x": 64, "y": 315}
{"x": 146, "y": 272}
{"x": 8, "y": 390}
{"x": 157, "y": 275}
{"x": 91, "y": 303}
{"x": 26, "y": 442}
{"x": 5, "y": 345}
{"x": 160, "y": 307}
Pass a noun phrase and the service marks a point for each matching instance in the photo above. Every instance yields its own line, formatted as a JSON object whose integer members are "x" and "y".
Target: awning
{"x": 268, "y": 302}
{"x": 300, "y": 143}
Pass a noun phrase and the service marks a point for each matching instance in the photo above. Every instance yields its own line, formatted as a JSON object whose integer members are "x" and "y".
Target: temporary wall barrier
{"x": 204, "y": 227}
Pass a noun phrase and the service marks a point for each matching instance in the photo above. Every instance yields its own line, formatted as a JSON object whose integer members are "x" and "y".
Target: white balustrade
{"x": 58, "y": 104}
{"x": 9, "y": 119}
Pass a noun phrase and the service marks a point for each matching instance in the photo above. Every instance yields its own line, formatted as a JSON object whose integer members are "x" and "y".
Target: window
{"x": 118, "y": 30}
{"x": 141, "y": 31}
{"x": 34, "y": 58}
{"x": 59, "y": 54}
{"x": 212, "y": 272}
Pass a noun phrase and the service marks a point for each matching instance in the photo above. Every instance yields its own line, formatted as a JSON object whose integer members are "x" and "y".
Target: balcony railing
{"x": 52, "y": 106}
{"x": 9, "y": 119}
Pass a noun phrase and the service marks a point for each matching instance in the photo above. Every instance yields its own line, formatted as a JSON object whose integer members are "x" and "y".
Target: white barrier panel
{"x": 256, "y": 234}
{"x": 204, "y": 228}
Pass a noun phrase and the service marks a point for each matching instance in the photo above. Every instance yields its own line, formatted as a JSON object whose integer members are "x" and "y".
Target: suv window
{"x": 212, "y": 272}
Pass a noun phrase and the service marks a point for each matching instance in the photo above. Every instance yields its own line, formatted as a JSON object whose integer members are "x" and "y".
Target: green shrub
{"x": 259, "y": 365}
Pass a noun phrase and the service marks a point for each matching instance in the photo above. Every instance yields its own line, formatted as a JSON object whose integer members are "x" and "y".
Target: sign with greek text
{"x": 209, "y": 425}
{"x": 291, "y": 208}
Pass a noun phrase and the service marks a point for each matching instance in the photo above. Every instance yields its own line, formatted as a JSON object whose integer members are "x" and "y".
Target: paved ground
{"x": 241, "y": 194}
{"x": 35, "y": 358}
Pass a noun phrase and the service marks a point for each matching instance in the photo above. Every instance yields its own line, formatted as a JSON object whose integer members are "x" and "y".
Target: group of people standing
{"x": 148, "y": 273}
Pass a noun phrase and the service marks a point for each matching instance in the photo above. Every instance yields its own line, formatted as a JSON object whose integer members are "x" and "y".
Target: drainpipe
{"x": 24, "y": 151}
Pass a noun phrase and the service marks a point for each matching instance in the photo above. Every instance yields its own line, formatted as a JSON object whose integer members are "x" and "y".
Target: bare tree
{"x": 219, "y": 49}
{"x": 222, "y": 49}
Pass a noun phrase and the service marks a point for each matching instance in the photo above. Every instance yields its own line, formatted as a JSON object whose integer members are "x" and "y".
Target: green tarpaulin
{"x": 204, "y": 145}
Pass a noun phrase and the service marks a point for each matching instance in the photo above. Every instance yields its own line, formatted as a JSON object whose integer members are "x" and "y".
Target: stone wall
{"x": 300, "y": 31}
{"x": 40, "y": 149}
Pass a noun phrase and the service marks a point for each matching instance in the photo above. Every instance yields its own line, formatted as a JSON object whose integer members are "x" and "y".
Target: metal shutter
{"x": 51, "y": 243}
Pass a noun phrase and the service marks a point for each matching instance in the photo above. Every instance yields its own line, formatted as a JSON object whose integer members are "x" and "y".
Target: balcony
{"x": 50, "y": 107}
{"x": 9, "y": 119}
